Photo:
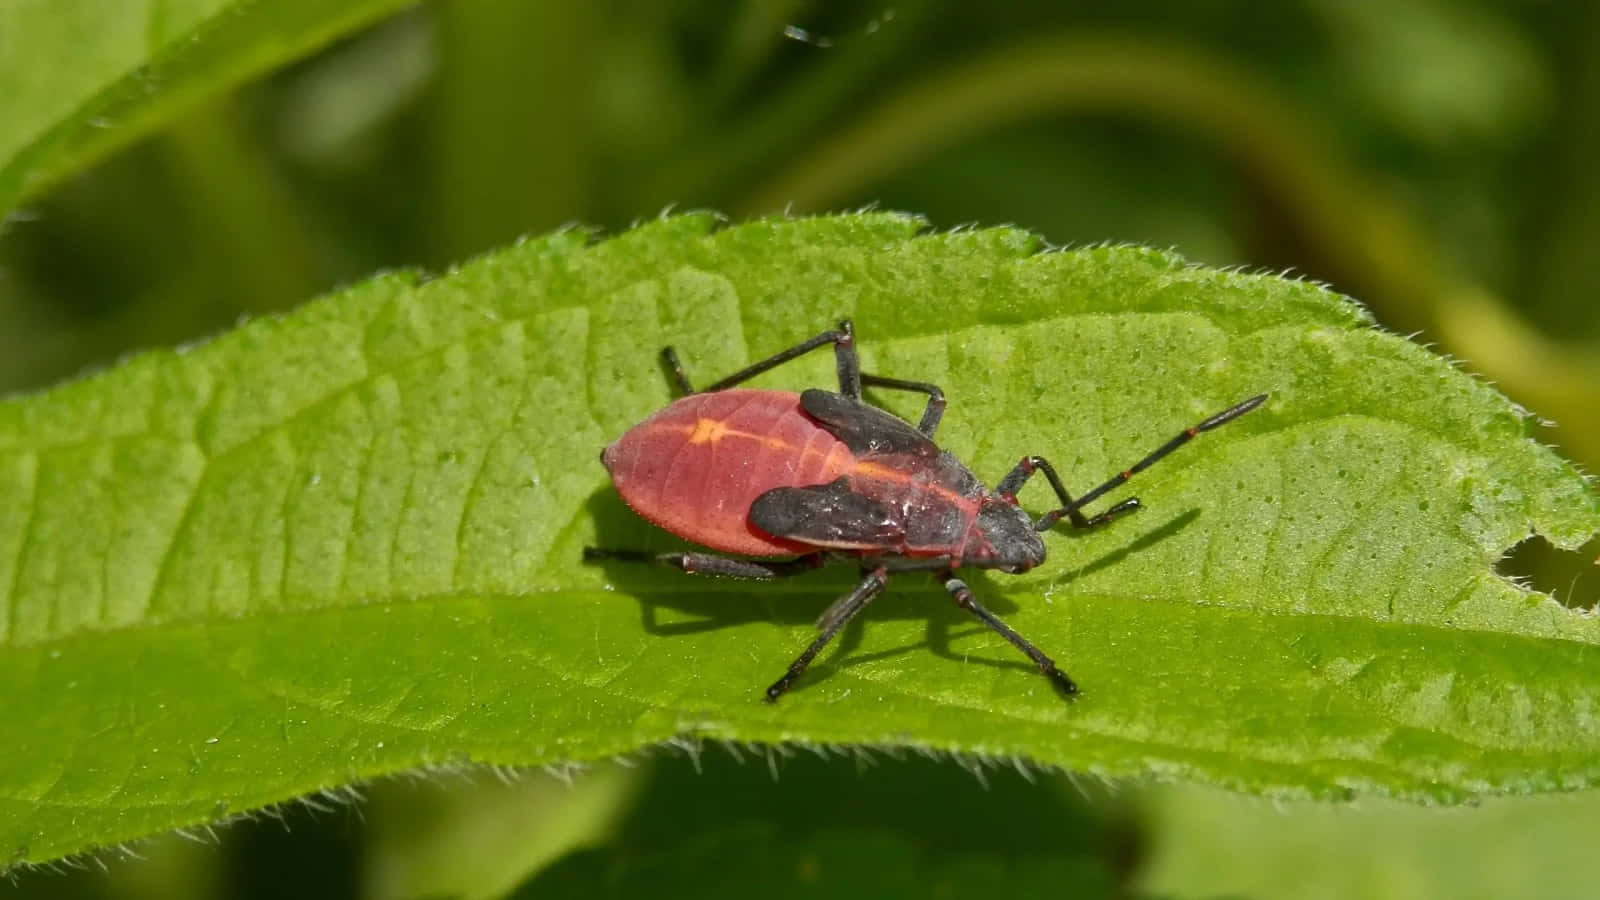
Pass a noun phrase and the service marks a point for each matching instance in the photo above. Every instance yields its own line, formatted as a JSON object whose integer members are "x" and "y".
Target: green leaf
{"x": 479, "y": 839}
{"x": 135, "y": 65}
{"x": 346, "y": 542}
{"x": 1208, "y": 843}
{"x": 892, "y": 828}
{"x": 931, "y": 803}
{"x": 753, "y": 860}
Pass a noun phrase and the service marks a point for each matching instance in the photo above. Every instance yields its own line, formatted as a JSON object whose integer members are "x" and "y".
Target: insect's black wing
{"x": 827, "y": 515}
{"x": 866, "y": 430}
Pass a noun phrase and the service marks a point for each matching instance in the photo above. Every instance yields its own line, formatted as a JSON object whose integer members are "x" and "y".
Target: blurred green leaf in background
{"x": 170, "y": 168}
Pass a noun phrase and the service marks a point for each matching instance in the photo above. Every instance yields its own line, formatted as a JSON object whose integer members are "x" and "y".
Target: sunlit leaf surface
{"x": 347, "y": 542}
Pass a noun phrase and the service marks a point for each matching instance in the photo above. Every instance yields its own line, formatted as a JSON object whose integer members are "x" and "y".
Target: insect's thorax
{"x": 943, "y": 510}
{"x": 933, "y": 502}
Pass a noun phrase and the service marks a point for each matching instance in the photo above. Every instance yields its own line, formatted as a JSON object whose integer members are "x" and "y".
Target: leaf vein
{"x": 25, "y": 539}
{"x": 368, "y": 450}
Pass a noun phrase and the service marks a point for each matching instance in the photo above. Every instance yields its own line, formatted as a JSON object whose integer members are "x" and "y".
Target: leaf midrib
{"x": 692, "y": 588}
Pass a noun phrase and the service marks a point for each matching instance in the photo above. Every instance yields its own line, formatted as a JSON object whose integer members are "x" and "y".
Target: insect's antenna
{"x": 1183, "y": 437}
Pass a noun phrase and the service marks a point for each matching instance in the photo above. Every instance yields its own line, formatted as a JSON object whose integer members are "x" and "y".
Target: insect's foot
{"x": 1065, "y": 685}
{"x": 778, "y": 689}
{"x": 1129, "y": 505}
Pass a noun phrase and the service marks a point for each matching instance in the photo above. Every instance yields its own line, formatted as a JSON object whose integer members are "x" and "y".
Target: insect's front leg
{"x": 1069, "y": 508}
{"x": 964, "y": 598}
{"x": 713, "y": 564}
{"x": 1013, "y": 482}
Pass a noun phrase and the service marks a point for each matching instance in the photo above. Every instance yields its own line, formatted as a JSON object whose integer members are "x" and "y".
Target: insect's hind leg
{"x": 851, "y": 378}
{"x": 964, "y": 598}
{"x": 844, "y": 347}
{"x": 713, "y": 564}
{"x": 837, "y": 616}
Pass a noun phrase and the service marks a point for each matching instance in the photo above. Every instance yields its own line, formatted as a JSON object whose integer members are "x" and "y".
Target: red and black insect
{"x": 821, "y": 476}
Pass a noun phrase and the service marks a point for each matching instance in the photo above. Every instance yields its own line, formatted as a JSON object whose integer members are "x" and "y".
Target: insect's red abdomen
{"x": 695, "y": 467}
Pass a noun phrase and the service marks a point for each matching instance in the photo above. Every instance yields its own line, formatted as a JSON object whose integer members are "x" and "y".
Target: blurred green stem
{"x": 732, "y": 153}
{"x": 1565, "y": 264}
{"x": 511, "y": 109}
{"x": 243, "y": 210}
{"x": 753, "y": 35}
{"x": 1374, "y": 245}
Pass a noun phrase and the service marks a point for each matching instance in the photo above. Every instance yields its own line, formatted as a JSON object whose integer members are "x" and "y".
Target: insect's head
{"x": 1007, "y": 537}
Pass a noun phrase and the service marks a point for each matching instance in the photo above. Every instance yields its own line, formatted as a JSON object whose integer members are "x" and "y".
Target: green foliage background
{"x": 197, "y": 162}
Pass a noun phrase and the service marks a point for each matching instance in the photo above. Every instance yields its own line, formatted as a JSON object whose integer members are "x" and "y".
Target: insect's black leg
{"x": 842, "y": 611}
{"x": 964, "y": 598}
{"x": 675, "y": 373}
{"x": 935, "y": 408}
{"x": 712, "y": 564}
{"x": 1070, "y": 509}
{"x": 1013, "y": 482}
{"x": 844, "y": 348}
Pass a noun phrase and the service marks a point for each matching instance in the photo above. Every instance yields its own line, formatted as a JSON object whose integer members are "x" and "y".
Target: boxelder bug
{"x": 819, "y": 476}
